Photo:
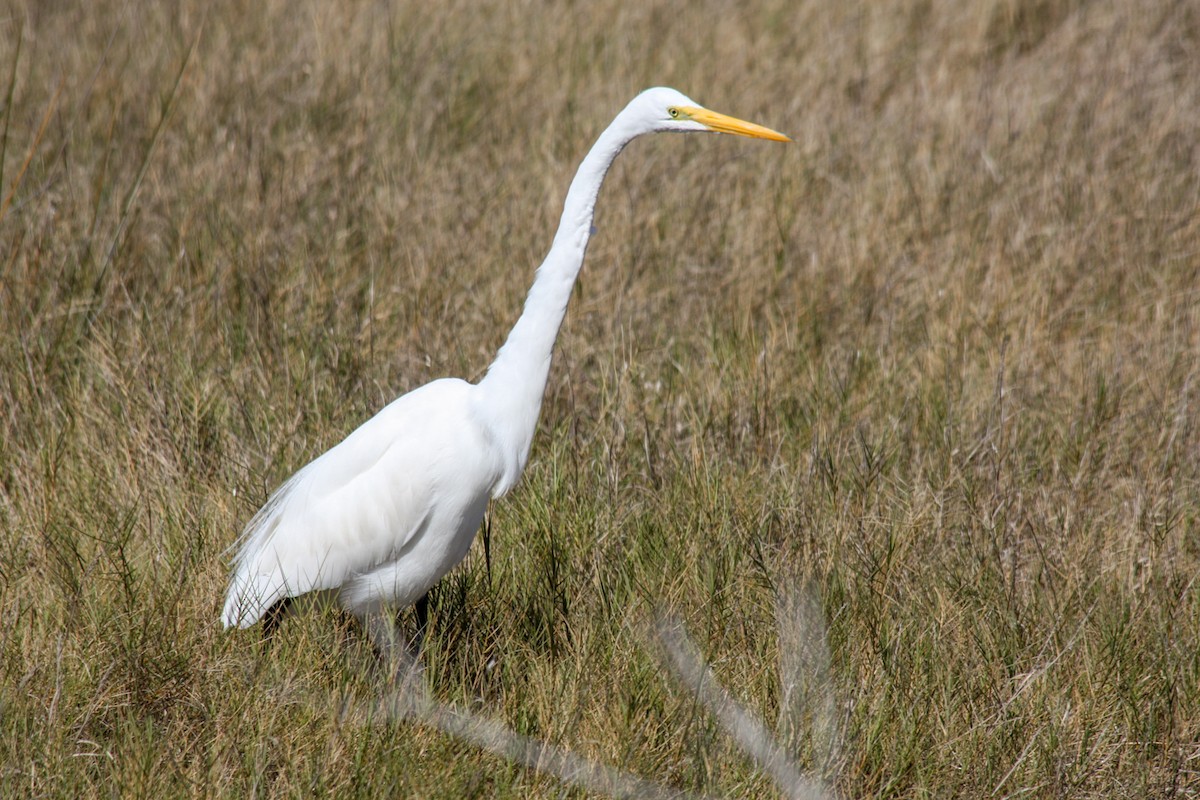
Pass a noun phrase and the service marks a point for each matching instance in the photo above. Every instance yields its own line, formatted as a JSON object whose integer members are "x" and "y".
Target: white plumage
{"x": 386, "y": 513}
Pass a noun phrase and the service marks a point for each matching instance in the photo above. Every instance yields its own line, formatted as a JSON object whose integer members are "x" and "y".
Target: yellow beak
{"x": 723, "y": 124}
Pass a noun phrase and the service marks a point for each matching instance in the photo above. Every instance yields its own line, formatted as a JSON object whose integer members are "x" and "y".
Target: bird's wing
{"x": 352, "y": 508}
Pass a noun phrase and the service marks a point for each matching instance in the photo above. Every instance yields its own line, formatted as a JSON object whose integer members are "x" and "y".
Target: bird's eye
{"x": 674, "y": 112}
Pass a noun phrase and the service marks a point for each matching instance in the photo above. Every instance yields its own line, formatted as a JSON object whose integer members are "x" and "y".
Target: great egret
{"x": 382, "y": 516}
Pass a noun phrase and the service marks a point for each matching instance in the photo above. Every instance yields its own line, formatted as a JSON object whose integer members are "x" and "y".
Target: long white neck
{"x": 511, "y": 392}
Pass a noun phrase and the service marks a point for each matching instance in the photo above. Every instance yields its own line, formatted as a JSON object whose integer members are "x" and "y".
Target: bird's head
{"x": 663, "y": 109}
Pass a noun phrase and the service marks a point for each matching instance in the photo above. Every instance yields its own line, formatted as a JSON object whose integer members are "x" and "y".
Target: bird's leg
{"x": 422, "y": 610}
{"x": 274, "y": 615}
{"x": 395, "y": 657}
{"x": 487, "y": 543}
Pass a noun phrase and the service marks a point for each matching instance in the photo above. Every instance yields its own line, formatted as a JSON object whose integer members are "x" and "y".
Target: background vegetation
{"x": 937, "y": 364}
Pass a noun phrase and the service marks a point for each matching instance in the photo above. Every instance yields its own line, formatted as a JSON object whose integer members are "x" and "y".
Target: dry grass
{"x": 939, "y": 361}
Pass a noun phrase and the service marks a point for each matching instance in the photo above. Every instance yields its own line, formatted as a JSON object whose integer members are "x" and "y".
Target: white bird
{"x": 382, "y": 516}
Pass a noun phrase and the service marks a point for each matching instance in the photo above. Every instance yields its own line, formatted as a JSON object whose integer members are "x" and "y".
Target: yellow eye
{"x": 674, "y": 112}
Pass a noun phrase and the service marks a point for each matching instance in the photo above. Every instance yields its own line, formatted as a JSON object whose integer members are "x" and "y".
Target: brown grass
{"x": 938, "y": 361}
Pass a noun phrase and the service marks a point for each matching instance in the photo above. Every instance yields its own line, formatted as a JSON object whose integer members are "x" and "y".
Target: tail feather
{"x": 253, "y": 589}
{"x": 250, "y": 595}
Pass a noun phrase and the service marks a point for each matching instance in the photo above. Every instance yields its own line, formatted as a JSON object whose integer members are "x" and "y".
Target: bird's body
{"x": 382, "y": 516}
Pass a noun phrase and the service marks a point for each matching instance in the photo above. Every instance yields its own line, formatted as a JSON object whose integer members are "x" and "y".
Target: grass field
{"x": 932, "y": 371}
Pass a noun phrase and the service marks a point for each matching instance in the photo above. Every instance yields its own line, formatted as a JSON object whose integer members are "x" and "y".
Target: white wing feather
{"x": 357, "y": 507}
